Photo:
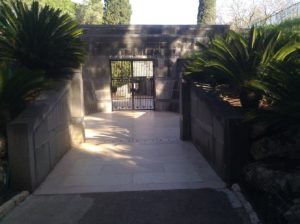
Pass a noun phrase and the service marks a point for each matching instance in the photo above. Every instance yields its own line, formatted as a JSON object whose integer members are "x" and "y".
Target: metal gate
{"x": 132, "y": 84}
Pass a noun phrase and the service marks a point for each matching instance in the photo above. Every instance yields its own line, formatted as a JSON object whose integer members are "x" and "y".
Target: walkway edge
{"x": 12, "y": 203}
{"x": 247, "y": 206}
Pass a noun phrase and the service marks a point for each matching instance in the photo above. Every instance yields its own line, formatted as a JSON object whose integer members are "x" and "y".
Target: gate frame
{"x": 131, "y": 60}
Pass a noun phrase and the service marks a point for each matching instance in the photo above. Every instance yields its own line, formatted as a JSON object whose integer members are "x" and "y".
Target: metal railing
{"x": 290, "y": 12}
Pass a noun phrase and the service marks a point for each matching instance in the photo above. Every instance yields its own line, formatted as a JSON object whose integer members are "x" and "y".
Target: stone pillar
{"x": 185, "y": 110}
{"x": 76, "y": 103}
{"x": 102, "y": 82}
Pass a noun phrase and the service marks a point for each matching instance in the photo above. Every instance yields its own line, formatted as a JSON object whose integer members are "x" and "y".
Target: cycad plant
{"x": 16, "y": 88}
{"x": 39, "y": 38}
{"x": 277, "y": 130}
{"x": 237, "y": 59}
{"x": 280, "y": 86}
{"x": 37, "y": 44}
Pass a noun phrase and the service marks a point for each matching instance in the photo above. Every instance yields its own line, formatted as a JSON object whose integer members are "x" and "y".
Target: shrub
{"x": 17, "y": 87}
{"x": 237, "y": 59}
{"x": 287, "y": 26}
{"x": 280, "y": 87}
{"x": 39, "y": 38}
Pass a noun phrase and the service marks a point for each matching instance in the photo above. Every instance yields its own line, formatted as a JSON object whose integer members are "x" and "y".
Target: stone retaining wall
{"x": 216, "y": 129}
{"x": 44, "y": 132}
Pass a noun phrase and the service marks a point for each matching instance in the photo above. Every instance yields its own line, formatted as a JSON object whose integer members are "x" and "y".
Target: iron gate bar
{"x": 140, "y": 80}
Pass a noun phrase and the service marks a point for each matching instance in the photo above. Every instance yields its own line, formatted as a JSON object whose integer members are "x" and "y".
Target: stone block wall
{"x": 44, "y": 132}
{"x": 162, "y": 44}
{"x": 216, "y": 129}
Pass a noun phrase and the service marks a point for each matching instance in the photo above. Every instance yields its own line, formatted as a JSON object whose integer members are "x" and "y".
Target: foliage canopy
{"x": 117, "y": 12}
{"x": 90, "y": 12}
{"x": 66, "y": 6}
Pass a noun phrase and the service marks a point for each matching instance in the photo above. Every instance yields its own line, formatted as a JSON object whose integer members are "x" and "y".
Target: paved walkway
{"x": 131, "y": 151}
{"x": 133, "y": 169}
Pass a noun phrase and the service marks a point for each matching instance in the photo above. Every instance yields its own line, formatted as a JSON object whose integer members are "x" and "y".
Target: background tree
{"x": 206, "y": 12}
{"x": 243, "y": 13}
{"x": 66, "y": 6}
{"x": 90, "y": 12}
{"x": 117, "y": 12}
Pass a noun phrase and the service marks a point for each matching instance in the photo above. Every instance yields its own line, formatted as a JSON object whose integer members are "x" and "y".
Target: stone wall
{"x": 216, "y": 129}
{"x": 44, "y": 132}
{"x": 162, "y": 44}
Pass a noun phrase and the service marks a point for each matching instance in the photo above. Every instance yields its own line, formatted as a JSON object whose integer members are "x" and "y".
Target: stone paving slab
{"x": 131, "y": 151}
{"x": 133, "y": 169}
{"x": 204, "y": 206}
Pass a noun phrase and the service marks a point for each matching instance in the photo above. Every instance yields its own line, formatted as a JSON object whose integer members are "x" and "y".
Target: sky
{"x": 175, "y": 11}
{"x": 170, "y": 11}
{"x": 164, "y": 11}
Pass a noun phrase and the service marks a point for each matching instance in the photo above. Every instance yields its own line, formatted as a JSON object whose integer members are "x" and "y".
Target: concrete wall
{"x": 162, "y": 44}
{"x": 44, "y": 132}
{"x": 216, "y": 129}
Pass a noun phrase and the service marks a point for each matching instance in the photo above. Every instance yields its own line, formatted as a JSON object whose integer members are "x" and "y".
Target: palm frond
{"x": 40, "y": 38}
{"x": 281, "y": 87}
{"x": 238, "y": 59}
{"x": 16, "y": 86}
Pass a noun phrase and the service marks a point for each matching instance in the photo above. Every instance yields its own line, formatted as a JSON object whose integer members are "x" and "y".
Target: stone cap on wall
{"x": 150, "y": 40}
{"x": 38, "y": 110}
{"x": 192, "y": 30}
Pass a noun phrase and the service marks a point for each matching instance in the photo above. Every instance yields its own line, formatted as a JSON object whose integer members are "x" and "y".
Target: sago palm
{"x": 236, "y": 59}
{"x": 15, "y": 87}
{"x": 281, "y": 89}
{"x": 39, "y": 38}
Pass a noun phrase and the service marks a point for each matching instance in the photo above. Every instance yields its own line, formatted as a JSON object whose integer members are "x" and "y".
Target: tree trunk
{"x": 206, "y": 12}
